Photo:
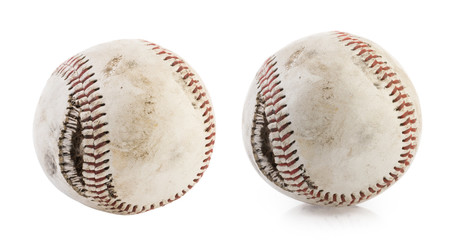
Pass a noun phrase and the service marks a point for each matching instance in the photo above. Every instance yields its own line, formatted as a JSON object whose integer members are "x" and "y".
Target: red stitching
{"x": 284, "y": 148}
{"x": 407, "y": 113}
{"x": 409, "y": 130}
{"x": 207, "y": 110}
{"x": 386, "y": 75}
{"x": 97, "y": 181}
{"x": 96, "y": 127}
{"x": 96, "y": 165}
{"x": 408, "y": 121}
{"x": 403, "y": 104}
{"x": 392, "y": 82}
{"x": 285, "y": 157}
{"x": 78, "y": 77}
{"x": 410, "y": 137}
{"x": 97, "y": 156}
{"x": 93, "y": 179}
{"x": 90, "y": 118}
{"x": 371, "y": 57}
{"x": 210, "y": 136}
{"x": 280, "y": 118}
{"x": 267, "y": 78}
{"x": 283, "y": 138}
{"x": 405, "y": 108}
{"x": 209, "y": 118}
{"x": 289, "y": 163}
{"x": 200, "y": 95}
{"x": 98, "y": 145}
{"x": 169, "y": 57}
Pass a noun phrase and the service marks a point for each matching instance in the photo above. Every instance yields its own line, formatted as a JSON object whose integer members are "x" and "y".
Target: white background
{"x": 226, "y": 42}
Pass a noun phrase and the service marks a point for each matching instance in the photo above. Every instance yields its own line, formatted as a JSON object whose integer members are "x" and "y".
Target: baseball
{"x": 331, "y": 119}
{"x": 124, "y": 127}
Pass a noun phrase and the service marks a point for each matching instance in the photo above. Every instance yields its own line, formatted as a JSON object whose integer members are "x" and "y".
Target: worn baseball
{"x": 124, "y": 127}
{"x": 331, "y": 119}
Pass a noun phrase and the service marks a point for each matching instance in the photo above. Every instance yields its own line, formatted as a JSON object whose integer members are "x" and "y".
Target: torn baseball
{"x": 331, "y": 119}
{"x": 124, "y": 127}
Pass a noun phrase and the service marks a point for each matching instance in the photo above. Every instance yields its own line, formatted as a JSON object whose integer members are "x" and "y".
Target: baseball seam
{"x": 285, "y": 157}
{"x": 291, "y": 173}
{"x": 191, "y": 81}
{"x": 95, "y": 182}
{"x": 403, "y": 104}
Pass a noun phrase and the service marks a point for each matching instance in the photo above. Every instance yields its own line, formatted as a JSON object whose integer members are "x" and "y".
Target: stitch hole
{"x": 76, "y": 150}
{"x": 71, "y": 150}
{"x": 262, "y": 146}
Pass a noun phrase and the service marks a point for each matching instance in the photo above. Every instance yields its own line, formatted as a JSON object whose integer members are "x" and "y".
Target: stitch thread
{"x": 284, "y": 169}
{"x": 92, "y": 180}
{"x": 199, "y": 93}
{"x": 404, "y": 106}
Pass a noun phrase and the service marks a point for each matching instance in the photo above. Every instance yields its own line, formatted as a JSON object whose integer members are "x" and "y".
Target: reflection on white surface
{"x": 338, "y": 216}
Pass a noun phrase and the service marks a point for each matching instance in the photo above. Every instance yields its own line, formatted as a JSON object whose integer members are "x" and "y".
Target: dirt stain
{"x": 50, "y": 165}
{"x": 111, "y": 66}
